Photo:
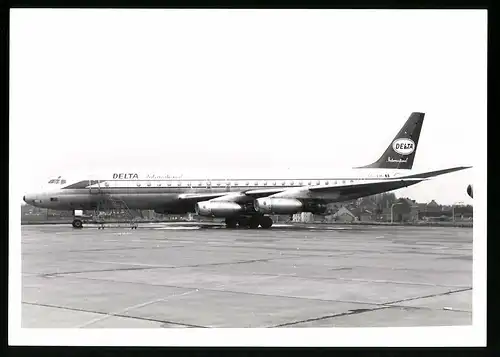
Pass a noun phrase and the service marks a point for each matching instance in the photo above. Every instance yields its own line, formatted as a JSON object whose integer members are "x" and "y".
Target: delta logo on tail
{"x": 403, "y": 146}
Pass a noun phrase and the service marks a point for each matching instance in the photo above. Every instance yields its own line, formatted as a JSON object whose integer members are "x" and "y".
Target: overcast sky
{"x": 175, "y": 90}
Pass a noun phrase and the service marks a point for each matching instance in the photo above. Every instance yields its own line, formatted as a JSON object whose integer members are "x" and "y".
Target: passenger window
{"x": 169, "y": 183}
{"x": 179, "y": 183}
{"x": 265, "y": 183}
{"x": 54, "y": 199}
{"x": 106, "y": 184}
{"x": 326, "y": 182}
{"x": 149, "y": 184}
{"x": 318, "y": 182}
{"x": 256, "y": 183}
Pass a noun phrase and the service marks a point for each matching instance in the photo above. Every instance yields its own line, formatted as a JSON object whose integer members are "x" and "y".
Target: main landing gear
{"x": 251, "y": 222}
{"x": 77, "y": 223}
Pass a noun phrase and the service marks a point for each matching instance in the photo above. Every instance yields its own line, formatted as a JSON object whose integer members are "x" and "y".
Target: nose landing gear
{"x": 77, "y": 223}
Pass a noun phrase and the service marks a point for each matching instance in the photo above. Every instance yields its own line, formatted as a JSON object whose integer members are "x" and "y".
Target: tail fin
{"x": 401, "y": 152}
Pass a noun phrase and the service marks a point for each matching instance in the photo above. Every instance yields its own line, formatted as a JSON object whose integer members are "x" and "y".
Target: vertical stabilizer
{"x": 401, "y": 151}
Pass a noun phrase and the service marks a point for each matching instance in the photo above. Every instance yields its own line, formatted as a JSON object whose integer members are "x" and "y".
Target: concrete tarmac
{"x": 185, "y": 275}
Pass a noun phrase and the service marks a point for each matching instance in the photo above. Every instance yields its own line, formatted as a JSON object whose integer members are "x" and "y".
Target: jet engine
{"x": 277, "y": 205}
{"x": 217, "y": 208}
{"x": 469, "y": 190}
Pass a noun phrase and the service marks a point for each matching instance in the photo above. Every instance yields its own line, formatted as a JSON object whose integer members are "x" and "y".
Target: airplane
{"x": 248, "y": 201}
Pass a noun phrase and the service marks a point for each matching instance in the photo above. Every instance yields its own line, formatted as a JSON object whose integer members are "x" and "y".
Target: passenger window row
{"x": 215, "y": 184}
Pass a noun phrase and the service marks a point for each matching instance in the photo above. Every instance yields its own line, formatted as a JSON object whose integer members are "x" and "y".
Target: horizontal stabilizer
{"x": 438, "y": 172}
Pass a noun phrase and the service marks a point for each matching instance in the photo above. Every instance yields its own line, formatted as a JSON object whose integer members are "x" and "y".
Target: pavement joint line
{"x": 120, "y": 312}
{"x": 117, "y": 315}
{"x": 100, "y": 249}
{"x": 50, "y": 275}
{"x": 213, "y": 289}
{"x": 291, "y": 275}
{"x": 426, "y": 296}
{"x": 350, "y": 312}
{"x": 121, "y": 263}
{"x": 283, "y": 296}
{"x": 147, "y": 267}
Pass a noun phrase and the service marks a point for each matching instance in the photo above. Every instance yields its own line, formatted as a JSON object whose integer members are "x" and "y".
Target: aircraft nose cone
{"x": 29, "y": 198}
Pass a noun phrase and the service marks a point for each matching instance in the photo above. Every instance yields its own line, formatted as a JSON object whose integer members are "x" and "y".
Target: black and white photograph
{"x": 247, "y": 177}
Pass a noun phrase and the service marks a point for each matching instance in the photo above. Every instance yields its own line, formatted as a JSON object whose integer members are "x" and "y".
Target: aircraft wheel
{"x": 77, "y": 223}
{"x": 231, "y": 223}
{"x": 266, "y": 222}
{"x": 254, "y": 222}
{"x": 243, "y": 222}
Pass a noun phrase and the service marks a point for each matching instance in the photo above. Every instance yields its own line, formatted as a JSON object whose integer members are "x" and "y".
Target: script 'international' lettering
{"x": 124, "y": 176}
{"x": 162, "y": 177}
{"x": 390, "y": 159}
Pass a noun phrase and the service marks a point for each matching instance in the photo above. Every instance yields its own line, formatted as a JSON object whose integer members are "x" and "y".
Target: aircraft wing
{"x": 374, "y": 187}
{"x": 335, "y": 192}
{"x": 438, "y": 172}
{"x": 338, "y": 192}
{"x": 230, "y": 196}
{"x": 197, "y": 197}
{"x": 353, "y": 190}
